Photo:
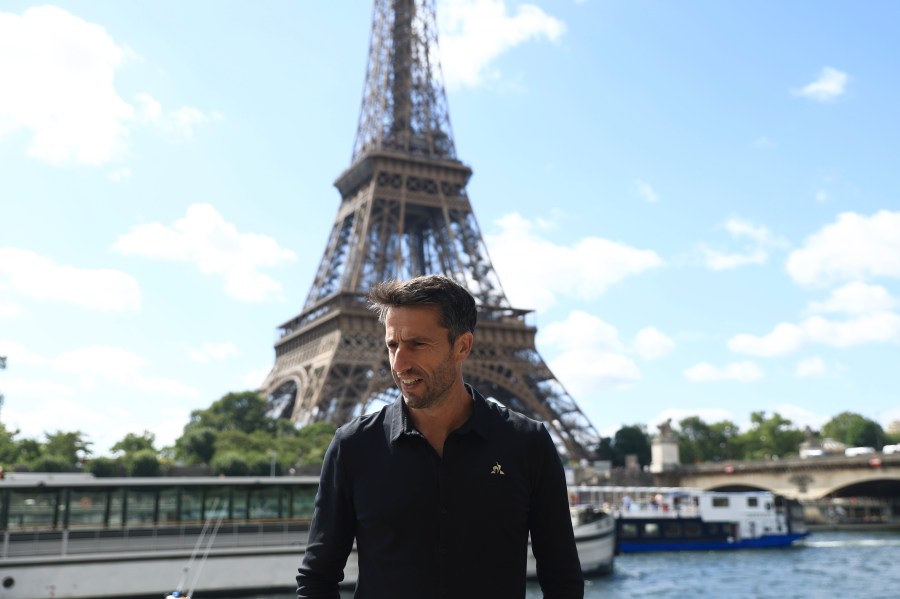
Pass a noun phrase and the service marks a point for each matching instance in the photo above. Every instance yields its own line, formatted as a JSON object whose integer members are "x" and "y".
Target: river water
{"x": 840, "y": 565}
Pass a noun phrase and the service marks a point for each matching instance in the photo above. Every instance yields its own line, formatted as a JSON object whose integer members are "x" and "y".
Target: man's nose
{"x": 400, "y": 359}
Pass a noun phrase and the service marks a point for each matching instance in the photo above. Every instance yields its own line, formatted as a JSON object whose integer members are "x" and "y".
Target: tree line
{"x": 234, "y": 436}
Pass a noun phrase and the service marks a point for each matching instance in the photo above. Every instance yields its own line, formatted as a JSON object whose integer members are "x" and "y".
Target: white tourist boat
{"x": 677, "y": 518}
{"x": 79, "y": 537}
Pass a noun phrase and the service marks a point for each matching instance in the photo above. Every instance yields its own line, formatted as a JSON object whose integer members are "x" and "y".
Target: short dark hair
{"x": 456, "y": 306}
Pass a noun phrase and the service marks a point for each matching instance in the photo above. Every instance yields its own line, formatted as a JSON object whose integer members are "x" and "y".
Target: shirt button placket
{"x": 444, "y": 529}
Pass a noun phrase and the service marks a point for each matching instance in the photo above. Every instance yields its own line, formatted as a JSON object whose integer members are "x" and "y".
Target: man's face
{"x": 423, "y": 363}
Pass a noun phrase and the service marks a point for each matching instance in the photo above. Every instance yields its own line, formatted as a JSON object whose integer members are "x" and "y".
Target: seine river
{"x": 841, "y": 565}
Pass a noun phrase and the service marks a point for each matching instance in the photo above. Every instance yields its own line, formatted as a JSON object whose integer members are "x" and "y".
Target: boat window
{"x": 303, "y": 499}
{"x": 752, "y": 501}
{"x": 191, "y": 504}
{"x": 628, "y": 531}
{"x": 116, "y": 506}
{"x": 140, "y": 507}
{"x": 720, "y": 502}
{"x": 240, "y": 503}
{"x": 264, "y": 503}
{"x": 168, "y": 506}
{"x": 692, "y": 529}
{"x": 215, "y": 502}
{"x": 651, "y": 529}
{"x": 713, "y": 528}
{"x": 672, "y": 530}
{"x": 87, "y": 507}
{"x": 34, "y": 508}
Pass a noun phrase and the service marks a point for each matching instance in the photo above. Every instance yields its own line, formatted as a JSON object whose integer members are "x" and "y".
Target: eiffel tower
{"x": 404, "y": 212}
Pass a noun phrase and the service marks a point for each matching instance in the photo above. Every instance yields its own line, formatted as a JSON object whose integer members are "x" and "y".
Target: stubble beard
{"x": 437, "y": 386}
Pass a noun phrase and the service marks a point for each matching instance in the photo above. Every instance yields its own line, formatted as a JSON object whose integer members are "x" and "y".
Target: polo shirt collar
{"x": 400, "y": 423}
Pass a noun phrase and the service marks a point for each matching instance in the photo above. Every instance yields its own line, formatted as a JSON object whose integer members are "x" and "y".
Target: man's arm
{"x": 331, "y": 531}
{"x": 550, "y": 523}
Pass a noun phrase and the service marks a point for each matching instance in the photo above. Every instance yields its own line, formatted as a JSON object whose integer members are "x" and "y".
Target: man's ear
{"x": 463, "y": 346}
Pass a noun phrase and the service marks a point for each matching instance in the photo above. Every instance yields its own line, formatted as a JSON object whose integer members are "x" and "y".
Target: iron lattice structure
{"x": 404, "y": 212}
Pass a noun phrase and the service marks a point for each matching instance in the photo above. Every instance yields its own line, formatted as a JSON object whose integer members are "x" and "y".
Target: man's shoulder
{"x": 511, "y": 420}
{"x": 365, "y": 426}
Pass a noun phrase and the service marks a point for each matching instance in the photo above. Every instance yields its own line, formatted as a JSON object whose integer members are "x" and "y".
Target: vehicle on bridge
{"x": 677, "y": 518}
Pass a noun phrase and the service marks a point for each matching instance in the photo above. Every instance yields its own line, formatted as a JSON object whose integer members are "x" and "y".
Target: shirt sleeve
{"x": 550, "y": 523}
{"x": 331, "y": 531}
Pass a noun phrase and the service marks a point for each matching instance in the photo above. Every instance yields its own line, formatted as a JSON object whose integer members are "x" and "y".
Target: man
{"x": 440, "y": 489}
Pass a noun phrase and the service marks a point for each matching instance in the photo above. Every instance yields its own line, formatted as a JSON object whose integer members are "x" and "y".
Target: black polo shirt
{"x": 454, "y": 527}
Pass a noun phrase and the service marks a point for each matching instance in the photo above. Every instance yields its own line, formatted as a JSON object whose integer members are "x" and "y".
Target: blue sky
{"x": 699, "y": 199}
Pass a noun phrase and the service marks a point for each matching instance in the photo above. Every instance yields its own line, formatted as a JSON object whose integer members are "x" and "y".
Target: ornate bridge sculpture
{"x": 404, "y": 212}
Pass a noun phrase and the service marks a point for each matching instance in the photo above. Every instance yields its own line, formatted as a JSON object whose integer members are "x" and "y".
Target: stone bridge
{"x": 875, "y": 475}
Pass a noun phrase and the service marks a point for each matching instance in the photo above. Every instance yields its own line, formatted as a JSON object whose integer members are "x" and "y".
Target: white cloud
{"x": 255, "y": 378}
{"x": 41, "y": 278}
{"x": 801, "y": 417}
{"x": 877, "y": 327}
{"x": 58, "y": 73}
{"x": 118, "y": 366}
{"x": 179, "y": 124}
{"x": 587, "y": 371}
{"x": 764, "y": 143}
{"x": 28, "y": 388}
{"x": 584, "y": 270}
{"x": 830, "y": 84}
{"x": 202, "y": 237}
{"x": 213, "y": 351}
{"x": 474, "y": 33}
{"x": 856, "y": 298}
{"x": 758, "y": 242}
{"x": 54, "y": 409}
{"x": 854, "y": 248}
{"x": 9, "y": 309}
{"x": 742, "y": 372}
{"x": 17, "y": 354}
{"x": 581, "y": 330}
{"x": 651, "y": 343}
{"x": 810, "y": 367}
{"x": 786, "y": 338}
{"x": 592, "y": 358}
{"x": 119, "y": 174}
{"x": 646, "y": 191}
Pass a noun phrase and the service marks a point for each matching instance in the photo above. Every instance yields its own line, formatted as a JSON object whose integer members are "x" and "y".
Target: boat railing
{"x": 22, "y": 543}
{"x": 658, "y": 510}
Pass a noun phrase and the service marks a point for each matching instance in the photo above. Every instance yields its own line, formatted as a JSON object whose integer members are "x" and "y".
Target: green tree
{"x": 9, "y": 447}
{"x": 52, "y": 463}
{"x": 702, "y": 442}
{"x": 631, "y": 440}
{"x": 244, "y": 411}
{"x": 197, "y": 445}
{"x": 854, "y": 430}
{"x": 604, "y": 450}
{"x": 230, "y": 463}
{"x": 29, "y": 451}
{"x": 72, "y": 446}
{"x": 104, "y": 467}
{"x": 312, "y": 442}
{"x": 132, "y": 443}
{"x": 769, "y": 437}
{"x": 144, "y": 462}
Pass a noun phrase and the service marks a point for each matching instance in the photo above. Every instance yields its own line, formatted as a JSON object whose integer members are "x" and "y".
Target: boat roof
{"x": 79, "y": 480}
